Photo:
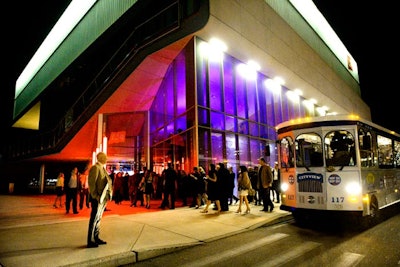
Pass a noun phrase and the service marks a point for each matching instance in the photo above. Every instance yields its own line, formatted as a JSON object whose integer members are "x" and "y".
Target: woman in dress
{"x": 148, "y": 188}
{"x": 59, "y": 189}
{"x": 244, "y": 186}
{"x": 213, "y": 191}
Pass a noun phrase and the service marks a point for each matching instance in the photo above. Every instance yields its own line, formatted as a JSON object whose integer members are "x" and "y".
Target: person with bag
{"x": 244, "y": 187}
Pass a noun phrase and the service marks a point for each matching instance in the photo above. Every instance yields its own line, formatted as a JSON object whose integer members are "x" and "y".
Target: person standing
{"x": 183, "y": 186}
{"x": 118, "y": 188}
{"x": 147, "y": 187}
{"x": 264, "y": 185}
{"x": 84, "y": 189}
{"x": 232, "y": 179}
{"x": 59, "y": 189}
{"x": 100, "y": 191}
{"x": 224, "y": 185}
{"x": 132, "y": 186}
{"x": 254, "y": 183}
{"x": 170, "y": 178}
{"x": 72, "y": 191}
{"x": 276, "y": 183}
{"x": 253, "y": 179}
{"x": 139, "y": 196}
{"x": 199, "y": 187}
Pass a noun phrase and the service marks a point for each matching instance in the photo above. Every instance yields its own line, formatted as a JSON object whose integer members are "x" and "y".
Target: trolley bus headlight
{"x": 353, "y": 188}
{"x": 284, "y": 187}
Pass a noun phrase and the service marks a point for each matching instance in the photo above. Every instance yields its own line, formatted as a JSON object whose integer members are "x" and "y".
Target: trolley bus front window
{"x": 309, "y": 150}
{"x": 339, "y": 149}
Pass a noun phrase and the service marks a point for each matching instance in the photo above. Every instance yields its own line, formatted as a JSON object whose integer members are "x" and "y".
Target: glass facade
{"x": 206, "y": 111}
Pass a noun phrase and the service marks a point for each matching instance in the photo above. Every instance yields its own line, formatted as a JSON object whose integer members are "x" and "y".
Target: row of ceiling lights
{"x": 214, "y": 50}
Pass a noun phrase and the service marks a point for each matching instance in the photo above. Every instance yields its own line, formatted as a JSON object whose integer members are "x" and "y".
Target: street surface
{"x": 287, "y": 244}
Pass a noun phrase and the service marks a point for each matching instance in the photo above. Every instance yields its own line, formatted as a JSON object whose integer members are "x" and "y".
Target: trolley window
{"x": 366, "y": 148}
{"x": 385, "y": 152}
{"x": 397, "y": 154}
{"x": 286, "y": 153}
{"x": 309, "y": 150}
{"x": 339, "y": 146}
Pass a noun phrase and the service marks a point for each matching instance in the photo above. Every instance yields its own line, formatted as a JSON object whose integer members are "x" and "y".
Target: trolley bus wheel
{"x": 374, "y": 212}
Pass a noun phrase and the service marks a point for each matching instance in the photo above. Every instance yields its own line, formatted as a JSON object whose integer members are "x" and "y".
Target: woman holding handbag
{"x": 244, "y": 187}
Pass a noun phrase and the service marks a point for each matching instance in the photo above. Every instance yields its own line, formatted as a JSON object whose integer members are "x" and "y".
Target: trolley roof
{"x": 329, "y": 120}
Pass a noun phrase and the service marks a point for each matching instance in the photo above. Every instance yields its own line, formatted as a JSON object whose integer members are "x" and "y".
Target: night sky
{"x": 367, "y": 29}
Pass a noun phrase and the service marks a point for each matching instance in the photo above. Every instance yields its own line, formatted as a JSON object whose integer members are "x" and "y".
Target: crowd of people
{"x": 95, "y": 186}
{"x": 258, "y": 185}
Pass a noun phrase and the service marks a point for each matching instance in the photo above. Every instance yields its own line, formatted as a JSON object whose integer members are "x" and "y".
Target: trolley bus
{"x": 336, "y": 165}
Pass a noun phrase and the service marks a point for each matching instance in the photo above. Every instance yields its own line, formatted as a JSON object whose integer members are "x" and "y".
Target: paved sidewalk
{"x": 33, "y": 233}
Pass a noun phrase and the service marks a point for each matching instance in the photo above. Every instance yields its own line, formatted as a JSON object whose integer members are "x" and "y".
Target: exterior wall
{"x": 222, "y": 117}
{"x": 253, "y": 30}
{"x": 172, "y": 117}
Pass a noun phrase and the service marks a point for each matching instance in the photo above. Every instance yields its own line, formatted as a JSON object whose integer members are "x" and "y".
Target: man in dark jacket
{"x": 264, "y": 184}
{"x": 223, "y": 176}
{"x": 170, "y": 177}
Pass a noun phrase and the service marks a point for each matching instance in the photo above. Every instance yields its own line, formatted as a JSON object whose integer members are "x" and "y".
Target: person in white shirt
{"x": 72, "y": 191}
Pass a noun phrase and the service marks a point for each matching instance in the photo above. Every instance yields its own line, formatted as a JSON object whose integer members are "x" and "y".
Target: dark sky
{"x": 366, "y": 28}
{"x": 26, "y": 26}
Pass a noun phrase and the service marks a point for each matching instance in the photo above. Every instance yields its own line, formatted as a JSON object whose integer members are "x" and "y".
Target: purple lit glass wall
{"x": 227, "y": 117}
{"x": 168, "y": 117}
{"x": 240, "y": 114}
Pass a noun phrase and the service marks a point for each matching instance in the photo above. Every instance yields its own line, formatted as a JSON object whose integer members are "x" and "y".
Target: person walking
{"x": 59, "y": 189}
{"x": 100, "y": 191}
{"x": 264, "y": 185}
{"x": 170, "y": 178}
{"x": 244, "y": 185}
{"x": 213, "y": 191}
{"x": 72, "y": 191}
